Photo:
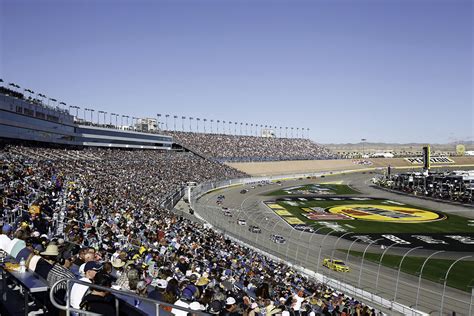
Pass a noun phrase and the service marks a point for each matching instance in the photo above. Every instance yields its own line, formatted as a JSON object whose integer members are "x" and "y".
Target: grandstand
{"x": 238, "y": 148}
{"x": 64, "y": 208}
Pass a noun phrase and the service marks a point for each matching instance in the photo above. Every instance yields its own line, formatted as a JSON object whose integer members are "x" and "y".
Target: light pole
{"x": 235, "y": 128}
{"x": 174, "y": 118}
{"x": 166, "y": 120}
{"x": 212, "y": 121}
{"x": 91, "y": 110}
{"x": 363, "y": 145}
{"x": 421, "y": 272}
{"x": 98, "y": 116}
{"x": 223, "y": 127}
{"x": 190, "y": 127}
{"x": 136, "y": 122}
{"x": 400, "y": 268}
{"x": 286, "y": 131}
{"x": 77, "y": 110}
{"x": 217, "y": 124}
{"x": 446, "y": 280}
{"x": 321, "y": 247}
{"x": 182, "y": 123}
{"x": 363, "y": 256}
{"x": 380, "y": 264}
{"x": 197, "y": 124}
{"x": 63, "y": 103}
{"x": 204, "y": 122}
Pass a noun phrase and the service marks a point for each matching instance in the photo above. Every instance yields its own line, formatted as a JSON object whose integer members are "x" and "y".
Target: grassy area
{"x": 336, "y": 189}
{"x": 452, "y": 223}
{"x": 460, "y": 277}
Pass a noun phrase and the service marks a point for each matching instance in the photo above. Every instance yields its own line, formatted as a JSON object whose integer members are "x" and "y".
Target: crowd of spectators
{"x": 115, "y": 234}
{"x": 223, "y": 147}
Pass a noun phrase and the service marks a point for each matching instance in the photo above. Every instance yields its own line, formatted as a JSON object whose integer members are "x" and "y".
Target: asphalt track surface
{"x": 309, "y": 249}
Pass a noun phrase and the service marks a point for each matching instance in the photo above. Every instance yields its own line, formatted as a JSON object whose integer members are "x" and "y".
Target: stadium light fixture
{"x": 158, "y": 120}
{"x": 174, "y": 119}
{"x": 166, "y": 120}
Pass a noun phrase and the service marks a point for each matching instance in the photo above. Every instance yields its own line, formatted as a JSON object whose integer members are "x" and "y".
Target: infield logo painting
{"x": 349, "y": 209}
{"x": 385, "y": 213}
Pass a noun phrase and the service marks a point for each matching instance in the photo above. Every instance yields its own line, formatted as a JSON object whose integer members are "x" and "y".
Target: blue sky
{"x": 387, "y": 71}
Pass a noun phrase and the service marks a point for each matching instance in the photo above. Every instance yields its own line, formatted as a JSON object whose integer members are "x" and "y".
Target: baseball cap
{"x": 92, "y": 265}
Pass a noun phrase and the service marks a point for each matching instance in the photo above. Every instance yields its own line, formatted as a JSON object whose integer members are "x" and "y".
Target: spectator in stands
{"x": 112, "y": 201}
{"x": 100, "y": 301}
{"x": 251, "y": 148}
{"x": 78, "y": 290}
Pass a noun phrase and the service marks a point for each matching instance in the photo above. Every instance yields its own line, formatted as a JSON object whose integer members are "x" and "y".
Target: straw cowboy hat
{"x": 51, "y": 250}
{"x": 118, "y": 263}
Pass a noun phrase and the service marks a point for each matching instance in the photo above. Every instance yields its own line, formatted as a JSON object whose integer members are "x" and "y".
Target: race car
{"x": 277, "y": 239}
{"x": 243, "y": 191}
{"x": 302, "y": 227}
{"x": 242, "y": 222}
{"x": 255, "y": 229}
{"x": 336, "y": 265}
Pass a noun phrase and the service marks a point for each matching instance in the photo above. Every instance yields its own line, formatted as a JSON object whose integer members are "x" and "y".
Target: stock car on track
{"x": 255, "y": 229}
{"x": 336, "y": 265}
{"x": 278, "y": 239}
{"x": 242, "y": 222}
{"x": 305, "y": 228}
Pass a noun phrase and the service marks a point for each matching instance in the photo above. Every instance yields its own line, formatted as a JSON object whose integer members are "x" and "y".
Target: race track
{"x": 309, "y": 249}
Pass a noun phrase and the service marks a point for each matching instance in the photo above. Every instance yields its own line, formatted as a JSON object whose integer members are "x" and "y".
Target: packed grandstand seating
{"x": 223, "y": 147}
{"x": 114, "y": 223}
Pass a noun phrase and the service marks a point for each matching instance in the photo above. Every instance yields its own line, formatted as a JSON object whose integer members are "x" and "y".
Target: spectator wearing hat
{"x": 118, "y": 266}
{"x": 159, "y": 287}
{"x": 7, "y": 229}
{"x": 78, "y": 290}
{"x": 57, "y": 272}
{"x": 231, "y": 308}
{"x": 215, "y": 307}
{"x": 252, "y": 310}
{"x": 100, "y": 301}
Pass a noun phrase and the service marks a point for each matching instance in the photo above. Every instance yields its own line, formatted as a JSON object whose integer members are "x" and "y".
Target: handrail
{"x": 69, "y": 309}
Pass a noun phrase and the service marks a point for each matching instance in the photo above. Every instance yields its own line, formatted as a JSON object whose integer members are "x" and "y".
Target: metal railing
{"x": 129, "y": 295}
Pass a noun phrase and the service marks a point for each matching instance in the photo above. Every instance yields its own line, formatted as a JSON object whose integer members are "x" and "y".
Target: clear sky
{"x": 384, "y": 70}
